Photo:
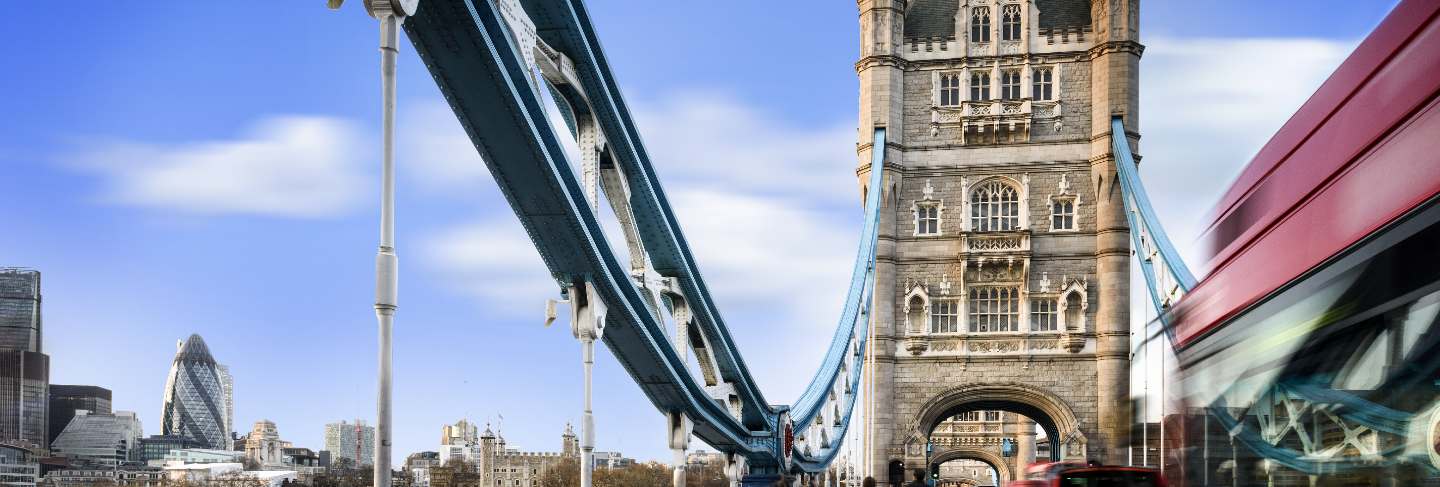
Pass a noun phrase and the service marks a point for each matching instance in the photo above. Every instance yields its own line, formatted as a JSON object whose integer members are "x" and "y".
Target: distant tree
{"x": 706, "y": 475}
{"x": 237, "y": 479}
{"x": 649, "y": 474}
{"x": 563, "y": 474}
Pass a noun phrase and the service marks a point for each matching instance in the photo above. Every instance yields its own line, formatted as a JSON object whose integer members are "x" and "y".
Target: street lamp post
{"x": 391, "y": 14}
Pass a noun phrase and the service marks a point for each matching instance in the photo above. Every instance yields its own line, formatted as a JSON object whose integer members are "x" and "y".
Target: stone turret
{"x": 1115, "y": 71}
{"x": 569, "y": 443}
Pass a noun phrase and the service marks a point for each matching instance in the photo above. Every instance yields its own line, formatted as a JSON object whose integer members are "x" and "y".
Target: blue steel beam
{"x": 1171, "y": 278}
{"x": 466, "y": 47}
{"x": 476, "y": 66}
{"x": 565, "y": 25}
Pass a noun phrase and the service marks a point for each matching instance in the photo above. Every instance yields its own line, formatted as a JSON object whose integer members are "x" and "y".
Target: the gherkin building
{"x": 195, "y": 402}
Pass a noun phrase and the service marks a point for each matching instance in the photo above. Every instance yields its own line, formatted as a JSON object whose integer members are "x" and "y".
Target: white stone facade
{"x": 1014, "y": 294}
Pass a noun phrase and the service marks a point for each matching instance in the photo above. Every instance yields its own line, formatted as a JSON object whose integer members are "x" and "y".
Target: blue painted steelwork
{"x": 469, "y": 51}
{"x": 1172, "y": 278}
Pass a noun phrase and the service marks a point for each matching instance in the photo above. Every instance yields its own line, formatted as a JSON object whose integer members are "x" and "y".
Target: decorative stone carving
{"x": 1045, "y": 344}
{"x": 993, "y": 346}
{"x": 928, "y": 190}
{"x": 916, "y": 346}
{"x": 1073, "y": 342}
{"x": 1044, "y": 282}
{"x": 945, "y": 345}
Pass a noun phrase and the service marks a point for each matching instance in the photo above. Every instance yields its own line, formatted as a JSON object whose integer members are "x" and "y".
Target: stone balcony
{"x": 993, "y": 120}
{"x": 1015, "y": 243}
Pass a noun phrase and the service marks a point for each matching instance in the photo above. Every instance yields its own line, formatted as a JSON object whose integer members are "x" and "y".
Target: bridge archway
{"x": 995, "y": 461}
{"x": 1045, "y": 408}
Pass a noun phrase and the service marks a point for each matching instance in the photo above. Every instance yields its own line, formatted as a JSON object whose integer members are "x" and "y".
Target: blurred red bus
{"x": 1310, "y": 353}
{"x": 1073, "y": 474}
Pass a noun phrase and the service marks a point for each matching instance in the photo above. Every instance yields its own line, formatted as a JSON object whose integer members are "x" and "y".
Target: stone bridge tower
{"x": 1003, "y": 275}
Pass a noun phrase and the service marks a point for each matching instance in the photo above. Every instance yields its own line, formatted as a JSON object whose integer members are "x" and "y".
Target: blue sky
{"x": 200, "y": 167}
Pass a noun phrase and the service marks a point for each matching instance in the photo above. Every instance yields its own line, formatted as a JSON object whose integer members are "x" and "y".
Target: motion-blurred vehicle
{"x": 1077, "y": 474}
{"x": 1310, "y": 353}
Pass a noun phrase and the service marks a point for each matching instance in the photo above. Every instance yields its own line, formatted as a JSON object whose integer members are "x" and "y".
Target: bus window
{"x": 1111, "y": 478}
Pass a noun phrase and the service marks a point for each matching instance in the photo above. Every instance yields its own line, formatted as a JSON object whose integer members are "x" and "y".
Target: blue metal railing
{"x": 1171, "y": 278}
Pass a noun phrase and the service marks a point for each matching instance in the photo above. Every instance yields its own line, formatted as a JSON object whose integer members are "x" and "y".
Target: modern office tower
{"x": 20, "y": 309}
{"x": 154, "y": 448}
{"x": 227, "y": 384}
{"x": 194, "y": 405}
{"x": 351, "y": 441}
{"x": 66, "y": 399}
{"x": 24, "y": 391}
{"x": 24, "y": 369}
{"x": 99, "y": 439}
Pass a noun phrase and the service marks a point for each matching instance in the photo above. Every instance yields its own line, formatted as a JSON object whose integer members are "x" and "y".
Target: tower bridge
{"x": 994, "y": 157}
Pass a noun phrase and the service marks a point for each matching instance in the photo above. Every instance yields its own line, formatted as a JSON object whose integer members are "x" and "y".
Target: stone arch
{"x": 916, "y": 309}
{"x": 997, "y": 462}
{"x": 1072, "y": 306}
{"x": 1045, "y": 408}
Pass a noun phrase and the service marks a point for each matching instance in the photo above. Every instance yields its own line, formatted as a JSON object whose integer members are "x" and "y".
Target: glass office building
{"x": 98, "y": 439}
{"x": 18, "y": 466}
{"x": 24, "y": 397}
{"x": 195, "y": 404}
{"x": 24, "y": 369}
{"x": 19, "y": 309}
{"x": 66, "y": 399}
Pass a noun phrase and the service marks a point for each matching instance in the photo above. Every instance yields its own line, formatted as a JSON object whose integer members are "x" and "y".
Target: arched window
{"x": 1010, "y": 23}
{"x": 980, "y": 24}
{"x": 979, "y": 85}
{"x": 949, "y": 89}
{"x": 1010, "y": 84}
{"x": 1042, "y": 84}
{"x": 994, "y": 207}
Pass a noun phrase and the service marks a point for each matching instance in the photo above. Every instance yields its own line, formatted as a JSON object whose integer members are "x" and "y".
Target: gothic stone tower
{"x": 1003, "y": 275}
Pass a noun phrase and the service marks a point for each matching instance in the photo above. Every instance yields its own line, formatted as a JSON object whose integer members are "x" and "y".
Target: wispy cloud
{"x": 433, "y": 146}
{"x": 288, "y": 166}
{"x": 494, "y": 260}
{"x": 709, "y": 139}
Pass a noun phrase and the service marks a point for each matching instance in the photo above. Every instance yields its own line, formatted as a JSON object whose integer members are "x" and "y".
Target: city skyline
{"x": 209, "y": 266}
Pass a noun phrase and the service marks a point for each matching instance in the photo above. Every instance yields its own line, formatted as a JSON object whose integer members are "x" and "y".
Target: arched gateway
{"x": 994, "y": 460}
{"x": 1003, "y": 273}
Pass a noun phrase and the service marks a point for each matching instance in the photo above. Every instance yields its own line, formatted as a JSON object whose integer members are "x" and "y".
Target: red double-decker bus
{"x": 1310, "y": 353}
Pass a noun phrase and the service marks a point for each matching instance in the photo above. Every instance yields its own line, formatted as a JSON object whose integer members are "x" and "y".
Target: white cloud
{"x": 1207, "y": 105}
{"x": 494, "y": 260}
{"x": 433, "y": 146}
{"x": 710, "y": 139}
{"x": 291, "y": 166}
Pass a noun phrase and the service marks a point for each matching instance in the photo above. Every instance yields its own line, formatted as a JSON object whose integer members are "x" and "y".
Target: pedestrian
{"x": 919, "y": 479}
{"x": 868, "y": 482}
